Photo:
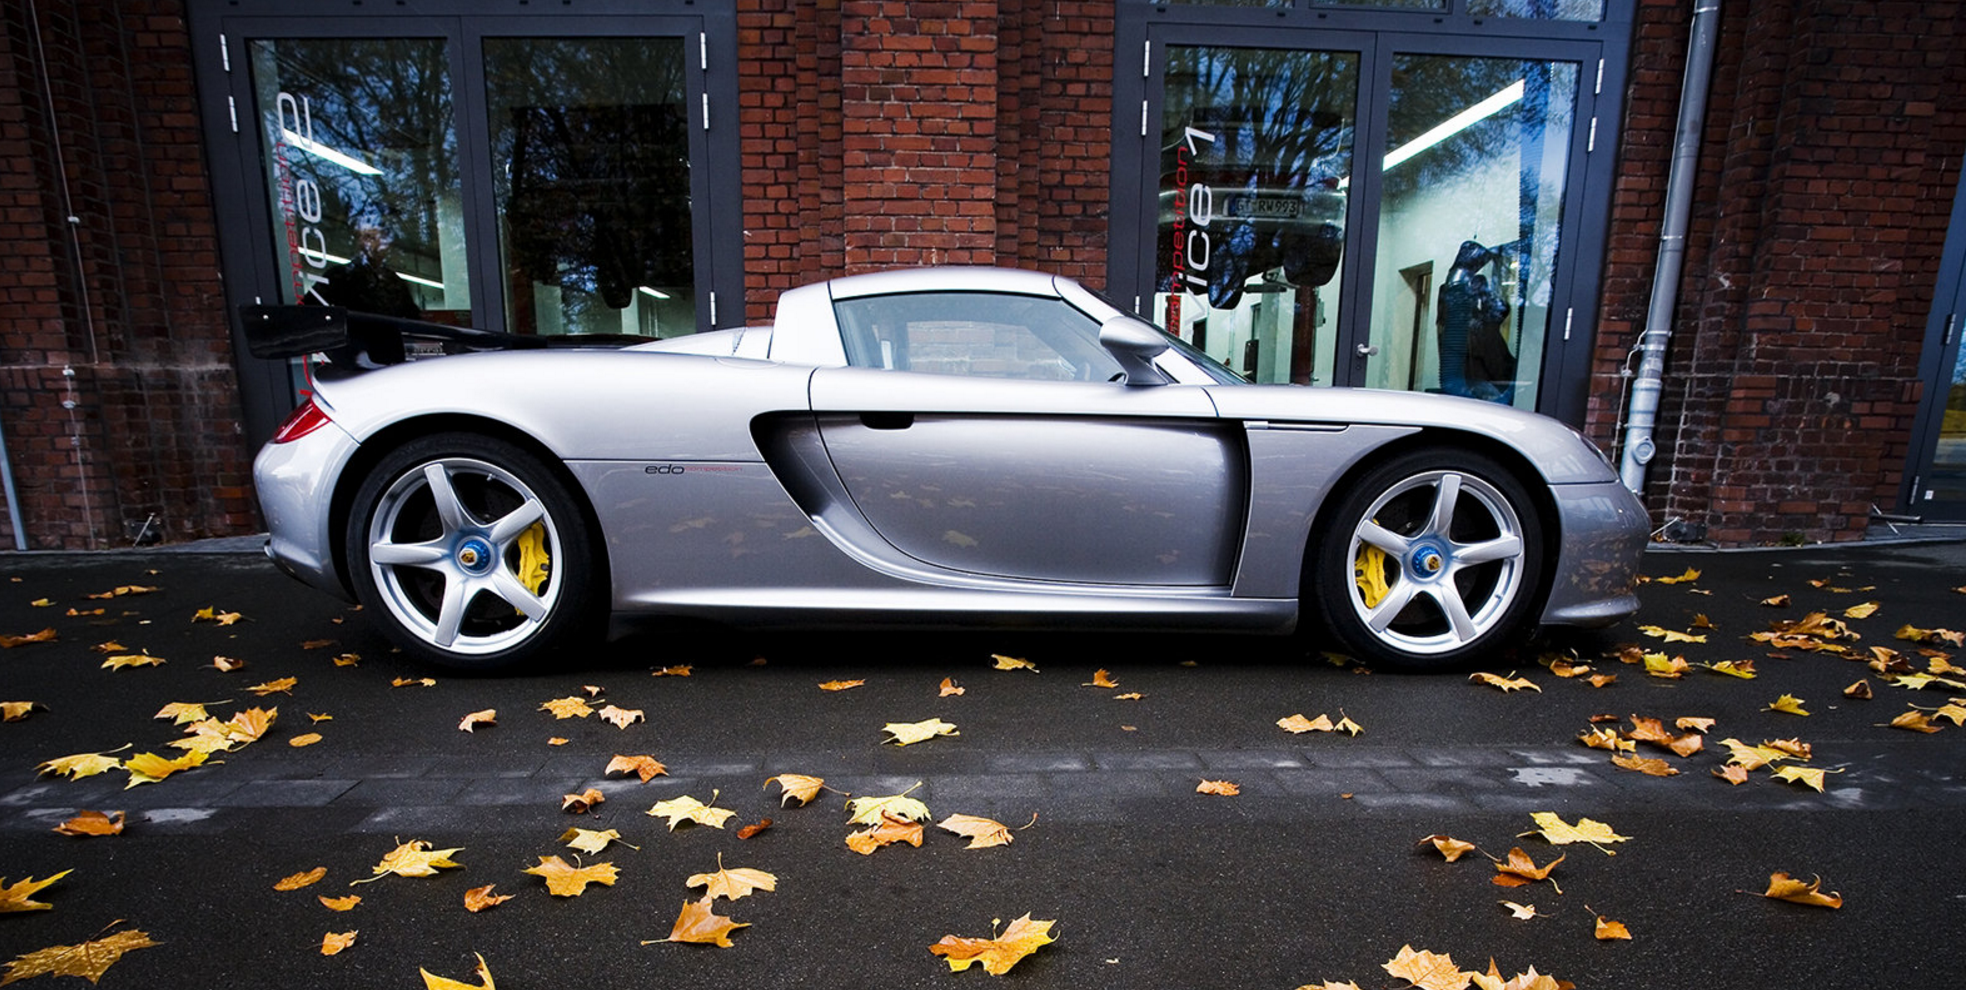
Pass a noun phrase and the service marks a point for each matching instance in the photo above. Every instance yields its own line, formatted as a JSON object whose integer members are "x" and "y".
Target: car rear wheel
{"x": 470, "y": 552}
{"x": 1432, "y": 560}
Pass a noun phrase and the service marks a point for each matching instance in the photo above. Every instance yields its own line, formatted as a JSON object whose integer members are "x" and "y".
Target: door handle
{"x": 1368, "y": 350}
{"x": 887, "y": 420}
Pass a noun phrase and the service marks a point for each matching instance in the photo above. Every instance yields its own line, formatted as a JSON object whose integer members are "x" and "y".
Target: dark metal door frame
{"x": 1944, "y": 328}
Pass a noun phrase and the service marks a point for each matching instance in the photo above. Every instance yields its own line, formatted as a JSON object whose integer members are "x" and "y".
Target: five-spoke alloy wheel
{"x": 1431, "y": 560}
{"x": 471, "y": 550}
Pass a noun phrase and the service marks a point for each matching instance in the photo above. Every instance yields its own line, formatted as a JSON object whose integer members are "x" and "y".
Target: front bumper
{"x": 1605, "y": 530}
{"x": 295, "y": 481}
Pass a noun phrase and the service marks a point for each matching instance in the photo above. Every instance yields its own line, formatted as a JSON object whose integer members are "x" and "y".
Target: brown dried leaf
{"x": 890, "y": 830}
{"x": 796, "y": 785}
{"x": 643, "y": 766}
{"x": 1220, "y": 788}
{"x": 731, "y": 884}
{"x": 1101, "y": 678}
{"x": 1021, "y": 938}
{"x": 88, "y": 960}
{"x": 1450, "y": 848}
{"x": 1428, "y": 970}
{"x": 579, "y": 803}
{"x": 1645, "y": 765}
{"x": 566, "y": 880}
{"x": 949, "y": 687}
{"x": 480, "y": 898}
{"x": 697, "y": 923}
{"x": 89, "y": 823}
{"x": 981, "y": 832}
{"x": 568, "y": 707}
{"x": 1783, "y": 887}
{"x": 300, "y": 880}
{"x": 1505, "y": 683}
{"x": 339, "y": 903}
{"x": 841, "y": 685}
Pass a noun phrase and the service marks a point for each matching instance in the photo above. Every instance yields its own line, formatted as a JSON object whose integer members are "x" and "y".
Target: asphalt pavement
{"x": 1315, "y": 871}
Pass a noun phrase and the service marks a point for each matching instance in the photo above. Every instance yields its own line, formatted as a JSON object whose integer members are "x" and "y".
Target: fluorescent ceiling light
{"x": 653, "y": 292}
{"x": 418, "y": 280}
{"x": 1473, "y": 115}
{"x": 319, "y": 150}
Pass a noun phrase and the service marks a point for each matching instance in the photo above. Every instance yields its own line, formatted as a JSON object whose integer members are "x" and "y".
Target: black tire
{"x": 461, "y": 522}
{"x": 1431, "y": 560}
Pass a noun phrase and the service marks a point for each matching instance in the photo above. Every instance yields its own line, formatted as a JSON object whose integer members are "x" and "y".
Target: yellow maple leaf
{"x": 796, "y": 785}
{"x": 982, "y": 833}
{"x": 1450, "y": 848}
{"x": 414, "y": 858}
{"x": 469, "y": 723}
{"x": 1660, "y": 665}
{"x": 80, "y": 765}
{"x": 1864, "y": 611}
{"x": 1428, "y": 970}
{"x": 888, "y": 831}
{"x": 590, "y": 841}
{"x": 840, "y": 685}
{"x": 699, "y": 924}
{"x": 284, "y": 685}
{"x": 123, "y": 660}
{"x": 687, "y": 808}
{"x": 1694, "y": 723}
{"x": 180, "y": 712}
{"x": 1672, "y": 635}
{"x": 1101, "y": 678}
{"x": 731, "y": 883}
{"x": 19, "y": 897}
{"x": 299, "y": 880}
{"x": 563, "y": 879}
{"x": 91, "y": 823}
{"x": 1013, "y": 663}
{"x": 1608, "y": 930}
{"x": 1690, "y": 574}
{"x": 14, "y": 711}
{"x": 1608, "y": 739}
{"x": 1783, "y": 887}
{"x": 869, "y": 810}
{"x": 1561, "y": 833}
{"x": 149, "y": 768}
{"x": 1507, "y": 684}
{"x": 1810, "y": 777}
{"x": 432, "y": 981}
{"x": 1743, "y": 669}
{"x": 621, "y": 718}
{"x": 339, "y": 903}
{"x": 1787, "y": 703}
{"x": 480, "y": 898}
{"x": 1019, "y": 939}
{"x": 568, "y": 707}
{"x": 580, "y": 803}
{"x": 88, "y": 960}
{"x": 1645, "y": 765}
{"x": 333, "y": 942}
{"x": 642, "y": 766}
{"x": 906, "y": 733}
{"x": 1346, "y": 725}
{"x": 1753, "y": 757}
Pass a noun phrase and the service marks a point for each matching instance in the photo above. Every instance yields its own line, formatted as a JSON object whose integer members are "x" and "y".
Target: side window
{"x": 981, "y": 334}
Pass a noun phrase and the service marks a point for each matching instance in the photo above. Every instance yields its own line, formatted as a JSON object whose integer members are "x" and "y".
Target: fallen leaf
{"x": 284, "y": 685}
{"x": 304, "y": 739}
{"x": 731, "y": 884}
{"x": 1299, "y": 724}
{"x": 1220, "y": 788}
{"x": 1602, "y": 680}
{"x": 339, "y": 903}
{"x": 1012, "y": 663}
{"x": 315, "y": 644}
{"x": 1672, "y": 635}
{"x": 905, "y": 733}
{"x": 840, "y": 685}
{"x": 949, "y": 687}
{"x": 402, "y": 682}
{"x": 687, "y": 808}
{"x": 132, "y": 660}
{"x": 1783, "y": 887}
{"x": 568, "y": 707}
{"x": 1690, "y": 574}
{"x": 1743, "y": 669}
{"x": 643, "y": 766}
{"x": 414, "y": 858}
{"x": 1101, "y": 678}
{"x": 227, "y": 665}
{"x": 888, "y": 831}
{"x": 88, "y": 960}
{"x": 1019, "y": 939}
{"x": 621, "y": 718}
{"x": 796, "y": 785}
{"x": 149, "y": 768}
{"x": 679, "y": 670}
{"x": 334, "y": 942}
{"x": 1778, "y": 601}
{"x": 699, "y": 924}
{"x": 1520, "y": 865}
{"x": 91, "y": 823}
{"x": 80, "y": 765}
{"x": 1428, "y": 970}
{"x": 1810, "y": 777}
{"x": 579, "y": 804}
{"x": 870, "y": 810}
{"x": 1693, "y": 723}
{"x": 300, "y": 880}
{"x": 566, "y": 880}
{"x": 1753, "y": 757}
{"x": 471, "y": 722}
{"x": 754, "y": 828}
{"x": 1732, "y": 773}
{"x": 432, "y": 981}
{"x": 1787, "y": 703}
{"x": 14, "y": 711}
{"x": 1608, "y": 930}
{"x": 480, "y": 898}
{"x": 1660, "y": 665}
{"x": 557, "y": 740}
{"x": 981, "y": 832}
{"x": 590, "y": 841}
{"x": 1645, "y": 765}
{"x": 1608, "y": 739}
{"x": 1505, "y": 683}
{"x": 1522, "y": 912}
{"x": 1864, "y": 611}
{"x": 44, "y": 636}
{"x": 1451, "y": 849}
{"x": 19, "y": 897}
{"x": 1559, "y": 832}
{"x": 348, "y": 660}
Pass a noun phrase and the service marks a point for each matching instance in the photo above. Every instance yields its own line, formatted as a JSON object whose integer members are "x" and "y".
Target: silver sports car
{"x": 936, "y": 447}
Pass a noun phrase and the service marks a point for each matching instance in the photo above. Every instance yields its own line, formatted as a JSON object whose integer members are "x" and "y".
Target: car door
{"x": 979, "y": 434}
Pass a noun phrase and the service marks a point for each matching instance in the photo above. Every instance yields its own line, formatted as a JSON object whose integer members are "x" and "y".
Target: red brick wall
{"x": 1826, "y": 177}
{"x": 881, "y": 133}
{"x": 98, "y": 120}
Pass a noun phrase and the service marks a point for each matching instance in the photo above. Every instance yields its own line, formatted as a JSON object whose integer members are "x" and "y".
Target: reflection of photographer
{"x": 1475, "y": 360}
{"x": 366, "y": 283}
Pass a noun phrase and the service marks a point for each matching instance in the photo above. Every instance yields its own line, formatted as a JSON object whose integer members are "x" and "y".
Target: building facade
{"x": 1464, "y": 196}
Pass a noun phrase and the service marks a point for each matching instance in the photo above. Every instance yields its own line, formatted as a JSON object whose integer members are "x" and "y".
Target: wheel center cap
{"x": 1428, "y": 561}
{"x": 474, "y": 555}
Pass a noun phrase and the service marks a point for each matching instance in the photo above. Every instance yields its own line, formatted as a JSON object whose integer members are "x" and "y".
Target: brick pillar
{"x": 919, "y": 149}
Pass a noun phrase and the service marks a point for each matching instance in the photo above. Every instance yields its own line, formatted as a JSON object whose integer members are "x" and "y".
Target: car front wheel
{"x": 470, "y": 552}
{"x": 1432, "y": 560}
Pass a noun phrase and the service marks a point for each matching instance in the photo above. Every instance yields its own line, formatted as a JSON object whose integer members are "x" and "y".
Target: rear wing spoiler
{"x": 358, "y": 339}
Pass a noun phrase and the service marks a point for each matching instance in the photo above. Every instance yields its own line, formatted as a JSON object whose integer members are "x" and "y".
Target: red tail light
{"x": 299, "y": 423}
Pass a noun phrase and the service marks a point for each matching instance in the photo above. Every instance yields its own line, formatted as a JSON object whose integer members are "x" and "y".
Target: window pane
{"x": 1555, "y": 10}
{"x": 1256, "y": 156}
{"x": 362, "y": 174}
{"x": 987, "y": 335}
{"x": 1947, "y": 480}
{"x": 1472, "y": 197}
{"x": 590, "y": 167}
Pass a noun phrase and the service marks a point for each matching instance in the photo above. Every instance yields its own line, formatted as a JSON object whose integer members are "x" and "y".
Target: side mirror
{"x": 1134, "y": 345}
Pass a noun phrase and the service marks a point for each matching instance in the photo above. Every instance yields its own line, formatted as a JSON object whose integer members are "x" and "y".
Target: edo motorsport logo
{"x": 1226, "y": 225}
{"x": 300, "y": 202}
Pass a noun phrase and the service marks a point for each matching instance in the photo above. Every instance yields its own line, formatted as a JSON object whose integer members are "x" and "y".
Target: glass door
{"x": 1936, "y": 488}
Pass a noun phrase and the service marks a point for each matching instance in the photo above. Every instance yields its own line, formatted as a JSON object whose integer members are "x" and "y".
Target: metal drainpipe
{"x": 1644, "y": 415}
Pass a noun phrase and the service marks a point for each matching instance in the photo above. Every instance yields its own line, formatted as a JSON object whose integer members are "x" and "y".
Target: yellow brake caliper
{"x": 533, "y": 559}
{"x": 1370, "y": 568}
